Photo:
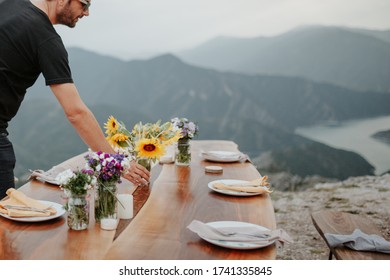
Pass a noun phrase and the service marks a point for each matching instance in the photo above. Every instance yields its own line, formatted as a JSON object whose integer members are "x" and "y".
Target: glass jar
{"x": 145, "y": 162}
{"x": 183, "y": 152}
{"x": 77, "y": 207}
{"x": 106, "y": 205}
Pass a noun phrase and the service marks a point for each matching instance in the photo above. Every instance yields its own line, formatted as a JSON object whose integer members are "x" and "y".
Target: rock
{"x": 284, "y": 181}
{"x": 368, "y": 196}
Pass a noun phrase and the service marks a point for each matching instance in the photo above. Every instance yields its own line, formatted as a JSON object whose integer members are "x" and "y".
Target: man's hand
{"x": 137, "y": 174}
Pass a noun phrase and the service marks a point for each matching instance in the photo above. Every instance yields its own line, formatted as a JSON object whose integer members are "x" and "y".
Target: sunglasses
{"x": 86, "y": 4}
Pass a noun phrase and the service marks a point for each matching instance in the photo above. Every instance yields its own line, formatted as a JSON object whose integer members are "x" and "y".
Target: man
{"x": 29, "y": 45}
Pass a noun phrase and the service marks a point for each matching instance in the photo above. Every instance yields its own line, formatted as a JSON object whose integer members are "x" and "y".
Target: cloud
{"x": 136, "y": 28}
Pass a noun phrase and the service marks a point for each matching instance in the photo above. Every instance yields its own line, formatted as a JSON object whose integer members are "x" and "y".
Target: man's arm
{"x": 88, "y": 128}
{"x": 81, "y": 117}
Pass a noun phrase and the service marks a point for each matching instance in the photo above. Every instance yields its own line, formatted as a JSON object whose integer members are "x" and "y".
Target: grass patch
{"x": 277, "y": 196}
{"x": 352, "y": 186}
{"x": 354, "y": 211}
{"x": 338, "y": 199}
{"x": 316, "y": 251}
{"x": 325, "y": 189}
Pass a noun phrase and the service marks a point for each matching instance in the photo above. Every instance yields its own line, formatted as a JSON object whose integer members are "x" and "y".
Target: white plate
{"x": 236, "y": 244}
{"x": 59, "y": 208}
{"x": 229, "y": 192}
{"x": 221, "y": 156}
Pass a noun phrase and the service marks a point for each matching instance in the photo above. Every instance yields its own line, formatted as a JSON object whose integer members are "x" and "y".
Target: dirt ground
{"x": 368, "y": 196}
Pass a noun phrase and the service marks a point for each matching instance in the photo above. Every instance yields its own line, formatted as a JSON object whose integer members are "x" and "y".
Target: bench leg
{"x": 330, "y": 255}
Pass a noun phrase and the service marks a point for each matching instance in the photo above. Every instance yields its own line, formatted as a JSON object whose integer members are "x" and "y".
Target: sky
{"x": 130, "y": 29}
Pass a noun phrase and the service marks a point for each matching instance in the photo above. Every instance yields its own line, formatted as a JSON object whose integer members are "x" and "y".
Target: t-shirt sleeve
{"x": 53, "y": 59}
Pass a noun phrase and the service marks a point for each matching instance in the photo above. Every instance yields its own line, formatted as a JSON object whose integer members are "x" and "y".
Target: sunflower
{"x": 118, "y": 140}
{"x": 111, "y": 125}
{"x": 149, "y": 148}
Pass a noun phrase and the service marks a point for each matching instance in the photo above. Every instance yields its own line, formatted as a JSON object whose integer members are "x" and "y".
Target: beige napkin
{"x": 239, "y": 234}
{"x": 256, "y": 186}
{"x": 19, "y": 199}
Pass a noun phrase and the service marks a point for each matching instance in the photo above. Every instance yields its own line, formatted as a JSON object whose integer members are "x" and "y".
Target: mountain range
{"x": 355, "y": 58}
{"x": 258, "y": 111}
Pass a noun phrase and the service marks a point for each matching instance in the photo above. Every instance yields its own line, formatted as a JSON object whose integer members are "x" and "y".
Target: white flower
{"x": 64, "y": 177}
{"x": 125, "y": 163}
{"x": 94, "y": 156}
{"x": 94, "y": 181}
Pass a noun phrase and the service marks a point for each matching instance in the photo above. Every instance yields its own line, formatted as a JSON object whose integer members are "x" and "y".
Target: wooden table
{"x": 53, "y": 239}
{"x": 180, "y": 195}
{"x": 176, "y": 196}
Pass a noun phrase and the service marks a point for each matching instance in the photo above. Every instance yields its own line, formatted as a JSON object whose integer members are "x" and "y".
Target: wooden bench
{"x": 345, "y": 223}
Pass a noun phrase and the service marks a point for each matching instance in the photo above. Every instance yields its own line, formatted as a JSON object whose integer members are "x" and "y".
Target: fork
{"x": 230, "y": 232}
{"x": 25, "y": 208}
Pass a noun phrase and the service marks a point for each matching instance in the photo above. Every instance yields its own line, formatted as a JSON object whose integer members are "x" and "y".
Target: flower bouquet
{"x": 188, "y": 130}
{"x": 146, "y": 142}
{"x": 76, "y": 186}
{"x": 108, "y": 169}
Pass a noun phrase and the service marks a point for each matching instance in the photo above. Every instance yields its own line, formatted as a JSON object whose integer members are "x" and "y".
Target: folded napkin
{"x": 239, "y": 234}
{"x": 19, "y": 200}
{"x": 216, "y": 155}
{"x": 49, "y": 176}
{"x": 256, "y": 186}
{"x": 359, "y": 241}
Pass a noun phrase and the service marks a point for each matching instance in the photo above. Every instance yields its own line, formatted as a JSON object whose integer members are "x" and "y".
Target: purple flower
{"x": 188, "y": 129}
{"x": 106, "y": 167}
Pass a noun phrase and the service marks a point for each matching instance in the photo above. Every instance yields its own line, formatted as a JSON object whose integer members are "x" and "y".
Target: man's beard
{"x": 65, "y": 17}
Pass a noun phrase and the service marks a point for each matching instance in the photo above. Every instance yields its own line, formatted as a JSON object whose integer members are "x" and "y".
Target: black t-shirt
{"x": 29, "y": 46}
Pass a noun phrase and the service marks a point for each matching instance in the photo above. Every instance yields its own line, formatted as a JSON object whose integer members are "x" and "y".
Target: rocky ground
{"x": 368, "y": 196}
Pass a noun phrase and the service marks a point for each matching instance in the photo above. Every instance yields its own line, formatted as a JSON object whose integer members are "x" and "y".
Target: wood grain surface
{"x": 180, "y": 195}
{"x": 53, "y": 240}
{"x": 175, "y": 197}
{"x": 345, "y": 223}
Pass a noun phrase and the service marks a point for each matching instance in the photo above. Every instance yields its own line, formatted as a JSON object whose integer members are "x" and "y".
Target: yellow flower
{"x": 168, "y": 139}
{"x": 111, "y": 141}
{"x": 118, "y": 140}
{"x": 111, "y": 125}
{"x": 149, "y": 148}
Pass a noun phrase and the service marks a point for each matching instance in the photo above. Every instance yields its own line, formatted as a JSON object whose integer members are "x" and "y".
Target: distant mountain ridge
{"x": 354, "y": 58}
{"x": 383, "y": 136}
{"x": 156, "y": 87}
{"x": 258, "y": 112}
